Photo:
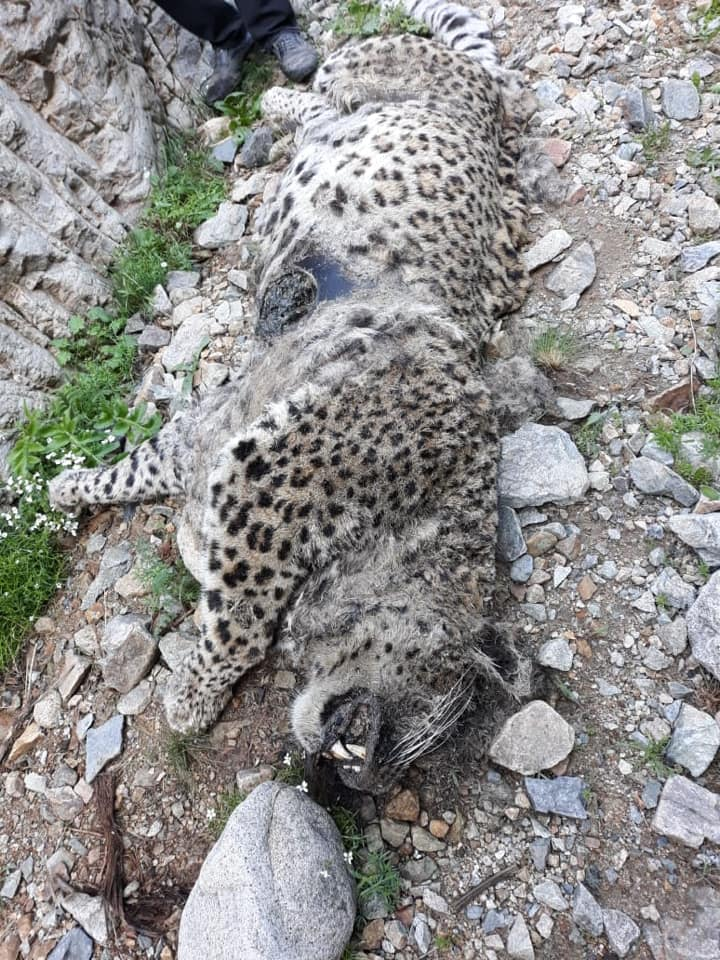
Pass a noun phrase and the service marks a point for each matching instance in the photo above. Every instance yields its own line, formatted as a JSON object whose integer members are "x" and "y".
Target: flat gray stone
{"x": 703, "y": 625}
{"x": 621, "y": 931}
{"x": 561, "y": 795}
{"x": 673, "y": 636}
{"x": 153, "y": 337}
{"x": 680, "y": 100}
{"x": 695, "y": 740}
{"x": 115, "y": 563}
{"x": 227, "y": 226}
{"x": 688, "y": 813}
{"x": 701, "y": 532}
{"x": 102, "y": 745}
{"x": 225, "y": 150}
{"x": 654, "y": 451}
{"x": 521, "y": 570}
{"x": 697, "y": 257}
{"x": 691, "y": 936}
{"x": 671, "y": 586}
{"x": 534, "y": 739}
{"x": 656, "y": 479}
{"x": 11, "y": 884}
{"x": 256, "y": 149}
{"x": 587, "y": 913}
{"x": 571, "y": 409}
{"x": 187, "y": 342}
{"x": 89, "y": 912}
{"x": 510, "y": 540}
{"x": 539, "y": 465}
{"x": 556, "y": 654}
{"x": 519, "y": 945}
{"x": 136, "y": 701}
{"x": 574, "y": 275}
{"x": 75, "y": 945}
{"x": 547, "y": 248}
{"x": 129, "y": 650}
{"x": 548, "y": 893}
{"x": 274, "y": 887}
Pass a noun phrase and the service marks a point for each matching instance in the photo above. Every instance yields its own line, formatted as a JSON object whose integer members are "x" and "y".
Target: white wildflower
{"x": 302, "y": 787}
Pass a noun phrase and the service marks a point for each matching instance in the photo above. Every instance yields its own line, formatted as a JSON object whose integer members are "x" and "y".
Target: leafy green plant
{"x": 73, "y": 427}
{"x": 168, "y": 584}
{"x": 243, "y": 106}
{"x": 554, "y": 348}
{"x": 587, "y": 438}
{"x": 655, "y": 141}
{"x": 351, "y": 834}
{"x": 227, "y": 801}
{"x": 96, "y": 336}
{"x": 709, "y": 21}
{"x": 653, "y": 756}
{"x": 707, "y": 157}
{"x": 362, "y": 18}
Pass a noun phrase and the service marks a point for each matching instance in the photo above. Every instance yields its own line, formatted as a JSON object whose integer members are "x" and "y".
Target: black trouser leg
{"x": 223, "y": 26}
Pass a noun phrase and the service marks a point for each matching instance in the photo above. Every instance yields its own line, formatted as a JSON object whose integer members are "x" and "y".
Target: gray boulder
{"x": 655, "y": 478}
{"x": 129, "y": 651}
{"x": 587, "y": 912}
{"x": 695, "y": 740}
{"x": 701, "y": 532}
{"x": 225, "y": 227}
{"x": 703, "y": 626}
{"x": 540, "y": 465}
{"x": 534, "y": 739}
{"x": 274, "y": 887}
{"x": 688, "y": 812}
{"x": 680, "y": 100}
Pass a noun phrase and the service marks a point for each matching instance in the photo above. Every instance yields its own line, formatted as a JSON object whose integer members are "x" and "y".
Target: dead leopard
{"x": 341, "y": 493}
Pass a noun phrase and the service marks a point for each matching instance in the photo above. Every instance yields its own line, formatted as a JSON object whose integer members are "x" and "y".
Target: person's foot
{"x": 297, "y": 58}
{"x": 227, "y": 72}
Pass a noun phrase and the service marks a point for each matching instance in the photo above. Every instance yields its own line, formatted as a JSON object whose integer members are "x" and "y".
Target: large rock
{"x": 703, "y": 626}
{"x": 274, "y": 887}
{"x": 540, "y": 465}
{"x": 225, "y": 227}
{"x": 655, "y": 478}
{"x": 85, "y": 95}
{"x": 701, "y": 532}
{"x": 688, "y": 812}
{"x": 129, "y": 651}
{"x": 695, "y": 740}
{"x": 575, "y": 274}
{"x": 534, "y": 739}
{"x": 680, "y": 100}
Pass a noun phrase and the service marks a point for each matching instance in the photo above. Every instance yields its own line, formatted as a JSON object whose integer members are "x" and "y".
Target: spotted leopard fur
{"x": 342, "y": 491}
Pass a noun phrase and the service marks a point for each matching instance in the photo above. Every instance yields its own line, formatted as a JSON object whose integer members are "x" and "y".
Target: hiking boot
{"x": 227, "y": 72}
{"x": 297, "y": 58}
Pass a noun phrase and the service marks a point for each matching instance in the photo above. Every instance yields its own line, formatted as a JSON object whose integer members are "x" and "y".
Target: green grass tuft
{"x": 554, "y": 348}
{"x": 587, "y": 437}
{"x": 704, "y": 419}
{"x": 378, "y": 878}
{"x": 142, "y": 263}
{"x": 292, "y": 770}
{"x": 182, "y": 750}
